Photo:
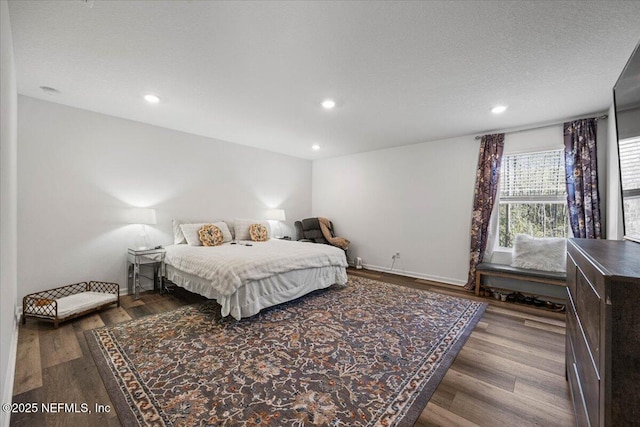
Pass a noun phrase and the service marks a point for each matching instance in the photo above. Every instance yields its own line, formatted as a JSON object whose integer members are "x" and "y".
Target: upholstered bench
{"x": 67, "y": 302}
{"x": 507, "y": 271}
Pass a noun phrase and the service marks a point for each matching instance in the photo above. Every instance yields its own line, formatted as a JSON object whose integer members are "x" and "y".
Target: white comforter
{"x": 229, "y": 266}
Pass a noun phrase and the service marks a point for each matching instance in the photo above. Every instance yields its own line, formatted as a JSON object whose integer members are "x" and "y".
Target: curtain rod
{"x": 602, "y": 117}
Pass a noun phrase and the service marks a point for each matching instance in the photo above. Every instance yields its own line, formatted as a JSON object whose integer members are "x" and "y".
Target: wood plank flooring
{"x": 510, "y": 371}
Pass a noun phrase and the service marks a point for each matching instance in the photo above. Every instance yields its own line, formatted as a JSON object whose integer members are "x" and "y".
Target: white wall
{"x": 79, "y": 170}
{"x": 417, "y": 200}
{"x": 8, "y": 208}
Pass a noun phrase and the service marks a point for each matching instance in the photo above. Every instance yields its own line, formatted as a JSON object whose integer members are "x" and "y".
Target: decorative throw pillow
{"x": 191, "y": 232}
{"x": 210, "y": 235}
{"x": 540, "y": 253}
{"x": 258, "y": 233}
{"x": 225, "y": 230}
{"x": 241, "y": 227}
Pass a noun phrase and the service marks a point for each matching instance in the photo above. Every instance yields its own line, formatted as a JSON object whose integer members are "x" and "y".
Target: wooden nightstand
{"x": 136, "y": 258}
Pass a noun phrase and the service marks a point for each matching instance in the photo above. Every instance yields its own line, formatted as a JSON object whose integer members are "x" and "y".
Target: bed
{"x": 245, "y": 277}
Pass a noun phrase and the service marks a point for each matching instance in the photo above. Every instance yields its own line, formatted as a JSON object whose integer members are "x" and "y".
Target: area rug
{"x": 364, "y": 354}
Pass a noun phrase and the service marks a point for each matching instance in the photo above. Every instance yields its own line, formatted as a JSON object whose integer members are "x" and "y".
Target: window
{"x": 629, "y": 150}
{"x": 533, "y": 196}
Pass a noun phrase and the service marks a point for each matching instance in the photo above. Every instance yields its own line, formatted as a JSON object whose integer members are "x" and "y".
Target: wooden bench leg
{"x": 478, "y": 278}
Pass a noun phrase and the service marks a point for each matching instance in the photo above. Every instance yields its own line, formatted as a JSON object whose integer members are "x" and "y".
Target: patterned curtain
{"x": 487, "y": 179}
{"x": 581, "y": 169}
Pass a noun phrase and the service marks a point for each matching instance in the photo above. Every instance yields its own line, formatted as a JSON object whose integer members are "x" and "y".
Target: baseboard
{"x": 415, "y": 275}
{"x": 7, "y": 392}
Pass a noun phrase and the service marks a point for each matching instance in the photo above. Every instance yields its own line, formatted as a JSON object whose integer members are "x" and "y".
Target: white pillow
{"x": 241, "y": 226}
{"x": 540, "y": 253}
{"x": 231, "y": 228}
{"x": 178, "y": 235}
{"x": 190, "y": 232}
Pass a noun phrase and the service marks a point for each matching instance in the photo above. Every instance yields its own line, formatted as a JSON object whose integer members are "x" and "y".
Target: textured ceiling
{"x": 254, "y": 73}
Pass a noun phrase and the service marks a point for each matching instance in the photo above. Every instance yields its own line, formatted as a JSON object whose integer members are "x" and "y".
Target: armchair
{"x": 319, "y": 230}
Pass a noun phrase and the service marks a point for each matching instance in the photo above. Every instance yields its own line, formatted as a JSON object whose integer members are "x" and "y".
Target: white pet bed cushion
{"x": 540, "y": 253}
{"x": 82, "y": 301}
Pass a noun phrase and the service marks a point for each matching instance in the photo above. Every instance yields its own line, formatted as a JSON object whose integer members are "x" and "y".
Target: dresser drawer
{"x": 572, "y": 268}
{"x": 589, "y": 270}
{"x": 579, "y": 406}
{"x": 572, "y": 323}
{"x": 585, "y": 371}
{"x": 587, "y": 303}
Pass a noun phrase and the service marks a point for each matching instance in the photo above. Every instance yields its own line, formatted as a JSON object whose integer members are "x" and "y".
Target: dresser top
{"x": 619, "y": 258}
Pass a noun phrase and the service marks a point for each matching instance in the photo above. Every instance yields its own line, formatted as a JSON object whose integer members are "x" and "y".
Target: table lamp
{"x": 142, "y": 216}
{"x": 276, "y": 215}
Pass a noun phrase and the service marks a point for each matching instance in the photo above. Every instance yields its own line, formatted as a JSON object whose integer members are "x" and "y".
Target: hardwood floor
{"x": 510, "y": 371}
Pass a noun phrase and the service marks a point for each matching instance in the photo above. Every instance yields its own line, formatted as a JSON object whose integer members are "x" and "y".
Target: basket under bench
{"x": 70, "y": 301}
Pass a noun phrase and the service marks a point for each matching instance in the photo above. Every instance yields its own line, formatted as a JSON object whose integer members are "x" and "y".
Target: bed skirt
{"x": 256, "y": 295}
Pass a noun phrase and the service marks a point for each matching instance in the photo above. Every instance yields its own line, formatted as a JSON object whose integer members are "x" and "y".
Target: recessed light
{"x": 328, "y": 104}
{"x": 499, "y": 109}
{"x": 151, "y": 99}
{"x": 315, "y": 147}
{"x": 50, "y": 90}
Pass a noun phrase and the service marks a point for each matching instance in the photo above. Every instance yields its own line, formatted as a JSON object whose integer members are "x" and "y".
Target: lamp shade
{"x": 276, "y": 215}
{"x": 142, "y": 216}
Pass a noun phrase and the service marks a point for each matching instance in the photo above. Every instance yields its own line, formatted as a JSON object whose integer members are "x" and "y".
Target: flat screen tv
{"x": 626, "y": 95}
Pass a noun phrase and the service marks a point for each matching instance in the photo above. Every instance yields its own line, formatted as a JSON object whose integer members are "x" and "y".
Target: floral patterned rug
{"x": 364, "y": 354}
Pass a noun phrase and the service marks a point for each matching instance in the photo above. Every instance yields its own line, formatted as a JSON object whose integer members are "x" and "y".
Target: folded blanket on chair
{"x": 325, "y": 226}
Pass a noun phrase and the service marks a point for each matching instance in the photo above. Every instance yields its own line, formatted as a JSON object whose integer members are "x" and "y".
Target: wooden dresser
{"x": 603, "y": 331}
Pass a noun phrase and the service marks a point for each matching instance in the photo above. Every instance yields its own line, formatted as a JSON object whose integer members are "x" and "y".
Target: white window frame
{"x": 549, "y": 199}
